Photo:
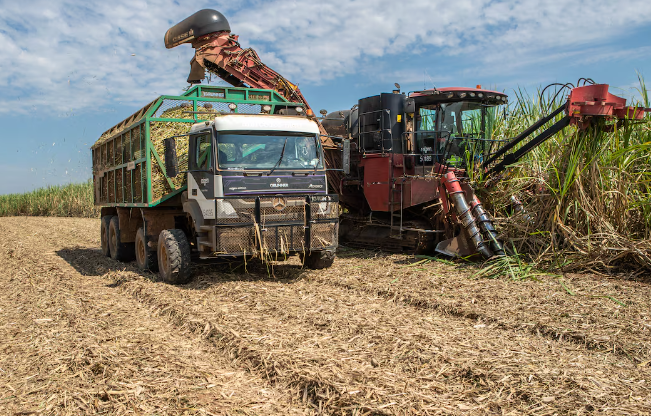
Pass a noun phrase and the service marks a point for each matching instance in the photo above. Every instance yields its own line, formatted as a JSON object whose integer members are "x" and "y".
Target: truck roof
{"x": 261, "y": 122}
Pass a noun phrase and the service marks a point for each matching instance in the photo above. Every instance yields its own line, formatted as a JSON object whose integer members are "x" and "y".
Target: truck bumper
{"x": 271, "y": 225}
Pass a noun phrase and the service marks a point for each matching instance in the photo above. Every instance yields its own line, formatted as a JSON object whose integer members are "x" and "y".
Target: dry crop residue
{"x": 83, "y": 334}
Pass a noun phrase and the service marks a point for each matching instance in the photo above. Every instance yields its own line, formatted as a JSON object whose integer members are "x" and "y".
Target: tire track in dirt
{"x": 205, "y": 311}
{"x": 346, "y": 350}
{"x": 458, "y": 311}
{"x": 312, "y": 333}
{"x": 596, "y": 322}
{"x": 70, "y": 346}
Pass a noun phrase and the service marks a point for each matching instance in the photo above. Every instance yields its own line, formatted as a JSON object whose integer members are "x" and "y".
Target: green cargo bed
{"x": 128, "y": 159}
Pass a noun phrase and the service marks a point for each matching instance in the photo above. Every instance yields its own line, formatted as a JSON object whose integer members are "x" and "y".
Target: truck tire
{"x": 119, "y": 251}
{"x": 322, "y": 259}
{"x": 104, "y": 235}
{"x": 146, "y": 259}
{"x": 174, "y": 257}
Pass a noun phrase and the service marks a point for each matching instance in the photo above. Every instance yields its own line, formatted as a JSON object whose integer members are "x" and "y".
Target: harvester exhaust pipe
{"x": 486, "y": 225}
{"x": 458, "y": 198}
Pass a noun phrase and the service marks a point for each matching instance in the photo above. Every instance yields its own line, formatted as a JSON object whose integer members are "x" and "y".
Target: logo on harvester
{"x": 279, "y": 203}
{"x": 204, "y": 181}
{"x": 278, "y": 184}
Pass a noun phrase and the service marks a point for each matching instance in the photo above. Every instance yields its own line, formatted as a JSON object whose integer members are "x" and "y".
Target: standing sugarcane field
{"x": 466, "y": 230}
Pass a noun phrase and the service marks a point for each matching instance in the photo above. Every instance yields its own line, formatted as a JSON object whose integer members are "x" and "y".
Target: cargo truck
{"x": 217, "y": 172}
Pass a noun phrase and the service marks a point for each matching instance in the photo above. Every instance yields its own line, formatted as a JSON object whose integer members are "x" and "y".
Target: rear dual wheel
{"x": 172, "y": 259}
{"x": 146, "y": 259}
{"x": 104, "y": 235}
{"x": 111, "y": 241}
{"x": 119, "y": 251}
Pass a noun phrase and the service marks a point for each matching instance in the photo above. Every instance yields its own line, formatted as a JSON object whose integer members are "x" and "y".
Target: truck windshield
{"x": 263, "y": 150}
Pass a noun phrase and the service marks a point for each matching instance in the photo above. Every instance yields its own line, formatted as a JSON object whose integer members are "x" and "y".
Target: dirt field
{"x": 376, "y": 334}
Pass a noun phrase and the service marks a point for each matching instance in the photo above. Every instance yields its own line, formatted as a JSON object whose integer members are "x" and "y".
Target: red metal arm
{"x": 583, "y": 105}
{"x": 221, "y": 54}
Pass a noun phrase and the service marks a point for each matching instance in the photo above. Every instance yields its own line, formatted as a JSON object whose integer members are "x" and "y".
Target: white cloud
{"x": 321, "y": 41}
{"x": 61, "y": 56}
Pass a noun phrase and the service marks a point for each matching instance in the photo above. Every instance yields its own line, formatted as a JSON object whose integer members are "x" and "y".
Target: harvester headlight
{"x": 450, "y": 95}
{"x": 232, "y": 106}
{"x": 299, "y": 110}
{"x": 471, "y": 94}
{"x": 462, "y": 95}
{"x": 480, "y": 95}
{"x": 266, "y": 108}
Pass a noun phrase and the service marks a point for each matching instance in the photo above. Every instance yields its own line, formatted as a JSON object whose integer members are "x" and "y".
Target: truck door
{"x": 201, "y": 176}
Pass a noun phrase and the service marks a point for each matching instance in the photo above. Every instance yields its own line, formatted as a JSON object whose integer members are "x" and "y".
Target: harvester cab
{"x": 408, "y": 184}
{"x": 453, "y": 126}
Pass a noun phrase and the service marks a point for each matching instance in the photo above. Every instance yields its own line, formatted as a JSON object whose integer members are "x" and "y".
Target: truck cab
{"x": 256, "y": 185}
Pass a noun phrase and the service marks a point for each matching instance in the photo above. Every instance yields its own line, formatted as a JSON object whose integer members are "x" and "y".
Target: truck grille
{"x": 275, "y": 224}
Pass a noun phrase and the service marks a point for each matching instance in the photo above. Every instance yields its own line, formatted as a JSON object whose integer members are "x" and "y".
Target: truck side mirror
{"x": 346, "y": 157}
{"x": 171, "y": 161}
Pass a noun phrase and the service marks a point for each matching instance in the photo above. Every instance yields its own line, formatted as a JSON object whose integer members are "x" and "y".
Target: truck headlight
{"x": 225, "y": 209}
{"x": 324, "y": 208}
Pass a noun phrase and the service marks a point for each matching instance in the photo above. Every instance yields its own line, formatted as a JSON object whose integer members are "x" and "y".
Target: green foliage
{"x": 587, "y": 193}
{"x": 73, "y": 200}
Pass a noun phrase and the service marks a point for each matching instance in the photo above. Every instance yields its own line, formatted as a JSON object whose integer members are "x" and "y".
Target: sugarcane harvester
{"x": 401, "y": 162}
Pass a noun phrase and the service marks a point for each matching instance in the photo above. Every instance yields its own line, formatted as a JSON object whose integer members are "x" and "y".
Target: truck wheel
{"x": 104, "y": 234}
{"x": 319, "y": 259}
{"x": 146, "y": 259}
{"x": 119, "y": 251}
{"x": 174, "y": 257}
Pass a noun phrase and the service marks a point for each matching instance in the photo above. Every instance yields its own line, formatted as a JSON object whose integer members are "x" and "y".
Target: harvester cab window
{"x": 426, "y": 119}
{"x": 464, "y": 120}
{"x": 203, "y": 152}
{"x": 426, "y": 135}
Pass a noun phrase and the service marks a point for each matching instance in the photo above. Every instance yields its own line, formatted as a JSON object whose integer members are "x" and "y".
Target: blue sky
{"x": 70, "y": 70}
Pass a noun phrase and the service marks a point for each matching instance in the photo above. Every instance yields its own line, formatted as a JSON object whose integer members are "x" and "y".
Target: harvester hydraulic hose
{"x": 486, "y": 225}
{"x": 458, "y": 198}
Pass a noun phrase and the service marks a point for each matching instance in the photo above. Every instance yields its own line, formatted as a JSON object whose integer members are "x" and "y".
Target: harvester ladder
{"x": 396, "y": 230}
